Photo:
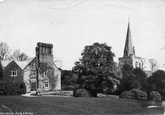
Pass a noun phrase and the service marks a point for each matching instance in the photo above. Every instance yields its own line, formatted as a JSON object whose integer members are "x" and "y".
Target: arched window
{"x": 136, "y": 64}
{"x": 139, "y": 65}
{"x": 13, "y": 72}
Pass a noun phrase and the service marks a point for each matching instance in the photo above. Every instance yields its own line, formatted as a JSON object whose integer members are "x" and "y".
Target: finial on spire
{"x": 128, "y": 19}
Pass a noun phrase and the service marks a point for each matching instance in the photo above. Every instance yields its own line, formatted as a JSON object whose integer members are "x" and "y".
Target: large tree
{"x": 96, "y": 67}
{"x": 132, "y": 78}
{"x": 4, "y": 51}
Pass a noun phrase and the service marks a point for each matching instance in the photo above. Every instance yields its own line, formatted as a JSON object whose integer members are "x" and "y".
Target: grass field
{"x": 43, "y": 105}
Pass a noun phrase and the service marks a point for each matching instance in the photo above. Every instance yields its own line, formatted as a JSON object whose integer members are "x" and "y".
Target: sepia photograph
{"x": 82, "y": 57}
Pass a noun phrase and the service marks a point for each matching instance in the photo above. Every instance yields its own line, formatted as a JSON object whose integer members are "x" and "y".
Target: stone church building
{"x": 129, "y": 56}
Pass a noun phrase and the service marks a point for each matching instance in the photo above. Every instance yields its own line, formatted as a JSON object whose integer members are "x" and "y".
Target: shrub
{"x": 8, "y": 88}
{"x": 138, "y": 94}
{"x": 154, "y": 95}
{"x": 69, "y": 87}
{"x": 12, "y": 88}
{"x": 22, "y": 88}
{"x": 92, "y": 93}
{"x": 2, "y": 87}
{"x": 127, "y": 95}
{"x": 16, "y": 88}
{"x": 134, "y": 94}
{"x": 81, "y": 93}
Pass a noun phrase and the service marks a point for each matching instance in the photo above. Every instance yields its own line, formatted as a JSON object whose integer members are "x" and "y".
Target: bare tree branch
{"x": 17, "y": 55}
{"x": 153, "y": 65}
{"x": 4, "y": 51}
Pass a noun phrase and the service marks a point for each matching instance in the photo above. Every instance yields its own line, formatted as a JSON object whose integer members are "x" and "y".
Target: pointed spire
{"x": 128, "y": 49}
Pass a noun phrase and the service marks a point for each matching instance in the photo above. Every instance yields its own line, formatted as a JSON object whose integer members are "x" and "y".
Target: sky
{"x": 70, "y": 25}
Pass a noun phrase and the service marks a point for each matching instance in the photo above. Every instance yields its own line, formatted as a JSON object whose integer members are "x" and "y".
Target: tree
{"x": 17, "y": 55}
{"x": 132, "y": 78}
{"x": 95, "y": 67}
{"x": 4, "y": 51}
{"x": 127, "y": 74}
{"x": 153, "y": 65}
{"x": 68, "y": 78}
{"x": 156, "y": 82}
{"x": 139, "y": 79}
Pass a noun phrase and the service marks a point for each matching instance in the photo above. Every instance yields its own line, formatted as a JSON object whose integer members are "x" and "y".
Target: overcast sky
{"x": 70, "y": 25}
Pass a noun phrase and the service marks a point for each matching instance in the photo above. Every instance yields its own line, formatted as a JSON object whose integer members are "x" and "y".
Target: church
{"x": 129, "y": 56}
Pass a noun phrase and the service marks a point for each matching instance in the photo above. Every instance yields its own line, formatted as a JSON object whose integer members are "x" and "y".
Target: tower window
{"x": 43, "y": 50}
{"x": 136, "y": 64}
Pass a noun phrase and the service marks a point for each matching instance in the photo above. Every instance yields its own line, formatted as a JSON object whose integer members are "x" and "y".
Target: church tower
{"x": 129, "y": 56}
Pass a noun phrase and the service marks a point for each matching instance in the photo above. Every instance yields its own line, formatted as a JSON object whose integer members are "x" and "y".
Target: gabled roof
{"x": 24, "y": 63}
{"x": 21, "y": 64}
{"x": 8, "y": 63}
{"x": 4, "y": 63}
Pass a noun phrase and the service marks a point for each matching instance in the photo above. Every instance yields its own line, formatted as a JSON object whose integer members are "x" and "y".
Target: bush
{"x": 138, "y": 94}
{"x": 22, "y": 88}
{"x": 8, "y": 88}
{"x": 2, "y": 87}
{"x": 154, "y": 95}
{"x": 12, "y": 88}
{"x": 69, "y": 87}
{"x": 127, "y": 95}
{"x": 134, "y": 94}
{"x": 81, "y": 93}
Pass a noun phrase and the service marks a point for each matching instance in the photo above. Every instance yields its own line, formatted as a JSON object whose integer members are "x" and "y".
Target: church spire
{"x": 128, "y": 49}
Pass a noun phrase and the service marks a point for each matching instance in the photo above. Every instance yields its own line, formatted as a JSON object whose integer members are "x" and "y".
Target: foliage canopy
{"x": 96, "y": 67}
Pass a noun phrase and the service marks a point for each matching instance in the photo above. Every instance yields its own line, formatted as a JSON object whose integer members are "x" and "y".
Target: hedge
{"x": 81, "y": 93}
{"x": 134, "y": 94}
{"x": 12, "y": 88}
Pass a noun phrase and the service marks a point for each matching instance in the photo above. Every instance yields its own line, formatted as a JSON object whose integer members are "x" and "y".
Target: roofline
{"x": 7, "y": 64}
{"x": 56, "y": 66}
{"x": 14, "y": 62}
{"x": 29, "y": 63}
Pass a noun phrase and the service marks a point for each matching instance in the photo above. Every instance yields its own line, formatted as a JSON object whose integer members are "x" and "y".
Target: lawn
{"x": 44, "y": 105}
